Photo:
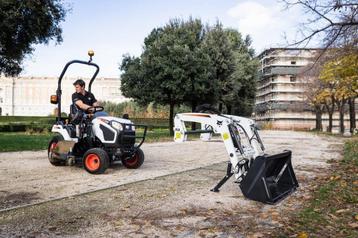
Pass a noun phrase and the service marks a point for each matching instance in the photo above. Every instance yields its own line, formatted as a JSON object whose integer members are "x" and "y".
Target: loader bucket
{"x": 270, "y": 178}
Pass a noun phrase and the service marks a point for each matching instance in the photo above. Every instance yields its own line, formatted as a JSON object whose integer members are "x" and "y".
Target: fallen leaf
{"x": 333, "y": 216}
{"x": 356, "y": 217}
{"x": 342, "y": 211}
{"x": 302, "y": 235}
{"x": 256, "y": 235}
{"x": 353, "y": 225}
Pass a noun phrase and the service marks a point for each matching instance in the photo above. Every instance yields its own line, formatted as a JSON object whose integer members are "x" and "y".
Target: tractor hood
{"x": 117, "y": 119}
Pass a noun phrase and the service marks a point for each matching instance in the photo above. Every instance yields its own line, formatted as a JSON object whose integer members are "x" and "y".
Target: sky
{"x": 113, "y": 28}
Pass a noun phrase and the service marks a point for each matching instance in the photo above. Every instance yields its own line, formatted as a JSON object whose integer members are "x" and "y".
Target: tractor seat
{"x": 76, "y": 114}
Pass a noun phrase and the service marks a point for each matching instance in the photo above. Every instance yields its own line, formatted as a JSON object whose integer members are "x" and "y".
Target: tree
{"x": 245, "y": 74}
{"x": 133, "y": 81}
{"x": 185, "y": 63}
{"x": 326, "y": 96}
{"x": 172, "y": 69}
{"x": 335, "y": 22}
{"x": 234, "y": 67}
{"x": 342, "y": 72}
{"x": 313, "y": 88}
{"x": 217, "y": 45}
{"x": 23, "y": 24}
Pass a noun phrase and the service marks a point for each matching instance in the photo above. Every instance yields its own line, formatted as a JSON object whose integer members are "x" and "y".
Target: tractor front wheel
{"x": 96, "y": 161}
{"x": 135, "y": 161}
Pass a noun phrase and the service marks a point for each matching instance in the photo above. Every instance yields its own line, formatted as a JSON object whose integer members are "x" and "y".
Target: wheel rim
{"x": 92, "y": 162}
{"x": 132, "y": 161}
{"x": 52, "y": 147}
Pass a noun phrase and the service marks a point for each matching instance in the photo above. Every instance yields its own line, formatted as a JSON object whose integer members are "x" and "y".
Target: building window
{"x": 292, "y": 78}
{"x": 293, "y": 62}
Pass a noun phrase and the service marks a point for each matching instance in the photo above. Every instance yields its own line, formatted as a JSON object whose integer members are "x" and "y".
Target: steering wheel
{"x": 94, "y": 109}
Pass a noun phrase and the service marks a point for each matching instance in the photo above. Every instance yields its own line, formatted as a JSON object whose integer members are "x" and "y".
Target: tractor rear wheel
{"x": 135, "y": 161}
{"x": 50, "y": 151}
{"x": 95, "y": 161}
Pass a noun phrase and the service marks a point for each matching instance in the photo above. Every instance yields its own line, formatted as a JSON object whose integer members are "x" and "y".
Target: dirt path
{"x": 168, "y": 196}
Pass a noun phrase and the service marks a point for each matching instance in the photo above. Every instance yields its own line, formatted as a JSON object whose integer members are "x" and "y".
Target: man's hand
{"x": 90, "y": 110}
{"x": 82, "y": 106}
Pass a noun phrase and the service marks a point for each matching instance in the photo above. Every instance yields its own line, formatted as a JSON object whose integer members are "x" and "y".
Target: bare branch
{"x": 309, "y": 37}
{"x": 315, "y": 11}
{"x": 340, "y": 30}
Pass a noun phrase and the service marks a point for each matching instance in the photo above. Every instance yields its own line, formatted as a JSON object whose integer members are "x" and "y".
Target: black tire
{"x": 51, "y": 145}
{"x": 95, "y": 161}
{"x": 135, "y": 162}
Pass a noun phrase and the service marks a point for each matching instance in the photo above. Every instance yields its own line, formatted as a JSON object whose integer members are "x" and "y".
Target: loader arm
{"x": 235, "y": 132}
{"x": 263, "y": 178}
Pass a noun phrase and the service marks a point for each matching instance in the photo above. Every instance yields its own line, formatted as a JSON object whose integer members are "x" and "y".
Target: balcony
{"x": 280, "y": 70}
{"x": 282, "y": 107}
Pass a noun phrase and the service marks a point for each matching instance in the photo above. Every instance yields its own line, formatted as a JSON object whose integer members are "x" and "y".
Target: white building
{"x": 280, "y": 101}
{"x": 30, "y": 96}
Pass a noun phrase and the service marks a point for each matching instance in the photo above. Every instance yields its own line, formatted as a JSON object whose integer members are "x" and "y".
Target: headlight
{"x": 116, "y": 125}
{"x": 129, "y": 127}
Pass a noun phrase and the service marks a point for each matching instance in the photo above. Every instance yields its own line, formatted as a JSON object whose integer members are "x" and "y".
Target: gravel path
{"x": 168, "y": 196}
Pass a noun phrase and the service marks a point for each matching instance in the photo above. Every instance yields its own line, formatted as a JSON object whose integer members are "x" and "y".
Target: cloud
{"x": 265, "y": 24}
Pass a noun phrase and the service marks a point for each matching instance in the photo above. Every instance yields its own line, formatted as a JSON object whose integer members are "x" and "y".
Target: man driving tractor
{"x": 83, "y": 99}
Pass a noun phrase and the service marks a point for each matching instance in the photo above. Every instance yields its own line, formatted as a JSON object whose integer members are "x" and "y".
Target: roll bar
{"x": 59, "y": 91}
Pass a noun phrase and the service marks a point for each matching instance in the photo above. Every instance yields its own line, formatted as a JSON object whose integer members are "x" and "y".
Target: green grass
{"x": 23, "y": 123}
{"x": 21, "y": 141}
{"x": 25, "y": 119}
{"x": 333, "y": 210}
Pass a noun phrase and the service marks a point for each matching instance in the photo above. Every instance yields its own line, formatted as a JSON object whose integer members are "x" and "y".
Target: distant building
{"x": 30, "y": 96}
{"x": 280, "y": 101}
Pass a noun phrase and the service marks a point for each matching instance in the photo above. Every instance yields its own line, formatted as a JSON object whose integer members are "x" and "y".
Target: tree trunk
{"x": 341, "y": 116}
{"x": 330, "y": 121}
{"x": 330, "y": 111}
{"x": 193, "y": 107}
{"x": 318, "y": 118}
{"x": 228, "y": 108}
{"x": 220, "y": 107}
{"x": 352, "y": 115}
{"x": 171, "y": 119}
{"x": 330, "y": 118}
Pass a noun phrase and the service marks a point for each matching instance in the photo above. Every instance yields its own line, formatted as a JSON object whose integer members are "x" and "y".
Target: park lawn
{"x": 333, "y": 210}
{"x": 18, "y": 141}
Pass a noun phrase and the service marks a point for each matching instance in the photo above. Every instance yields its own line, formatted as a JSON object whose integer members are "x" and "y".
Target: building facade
{"x": 280, "y": 102}
{"x": 30, "y": 96}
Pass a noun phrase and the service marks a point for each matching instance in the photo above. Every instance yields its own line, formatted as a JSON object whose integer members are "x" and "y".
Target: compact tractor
{"x": 95, "y": 142}
{"x": 261, "y": 177}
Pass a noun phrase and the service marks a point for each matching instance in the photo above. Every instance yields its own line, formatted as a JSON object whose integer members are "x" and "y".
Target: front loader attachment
{"x": 270, "y": 178}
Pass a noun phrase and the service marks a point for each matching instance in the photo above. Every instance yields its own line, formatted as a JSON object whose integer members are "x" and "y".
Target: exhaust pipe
{"x": 270, "y": 179}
